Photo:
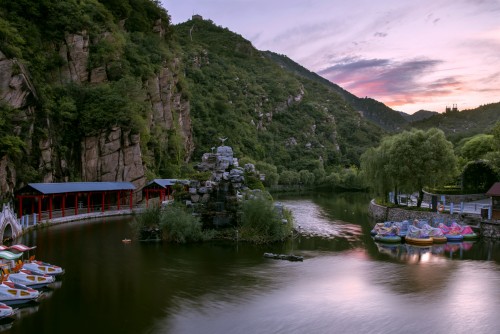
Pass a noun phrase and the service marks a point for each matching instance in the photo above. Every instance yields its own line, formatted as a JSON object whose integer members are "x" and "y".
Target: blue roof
{"x": 73, "y": 187}
{"x": 167, "y": 182}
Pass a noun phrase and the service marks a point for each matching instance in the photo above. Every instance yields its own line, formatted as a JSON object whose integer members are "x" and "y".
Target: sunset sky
{"x": 410, "y": 55}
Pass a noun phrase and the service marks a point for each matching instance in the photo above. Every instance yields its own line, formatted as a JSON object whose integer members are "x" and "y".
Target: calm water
{"x": 346, "y": 284}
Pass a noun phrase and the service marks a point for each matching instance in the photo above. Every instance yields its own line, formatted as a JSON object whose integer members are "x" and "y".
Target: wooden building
{"x": 162, "y": 188}
{"x": 494, "y": 192}
{"x": 67, "y": 198}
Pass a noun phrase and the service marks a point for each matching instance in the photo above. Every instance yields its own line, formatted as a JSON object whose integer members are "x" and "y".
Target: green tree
{"x": 477, "y": 147}
{"x": 306, "y": 177}
{"x": 373, "y": 165}
{"x": 412, "y": 160}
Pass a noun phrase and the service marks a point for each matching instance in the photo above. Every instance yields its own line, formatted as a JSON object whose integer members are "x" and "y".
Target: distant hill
{"x": 373, "y": 110}
{"x": 461, "y": 124}
{"x": 419, "y": 115}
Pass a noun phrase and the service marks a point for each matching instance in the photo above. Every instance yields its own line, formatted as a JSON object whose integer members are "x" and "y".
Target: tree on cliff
{"x": 410, "y": 161}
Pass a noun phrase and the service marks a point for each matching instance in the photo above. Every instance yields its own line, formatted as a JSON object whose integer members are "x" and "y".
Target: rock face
{"x": 169, "y": 109}
{"x": 75, "y": 52}
{"x": 111, "y": 155}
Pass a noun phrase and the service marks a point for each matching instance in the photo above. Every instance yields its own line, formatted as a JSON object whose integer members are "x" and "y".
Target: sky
{"x": 410, "y": 55}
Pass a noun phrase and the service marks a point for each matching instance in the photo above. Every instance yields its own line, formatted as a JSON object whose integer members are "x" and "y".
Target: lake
{"x": 346, "y": 284}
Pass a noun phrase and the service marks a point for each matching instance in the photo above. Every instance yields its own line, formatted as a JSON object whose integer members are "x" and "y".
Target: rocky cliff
{"x": 113, "y": 154}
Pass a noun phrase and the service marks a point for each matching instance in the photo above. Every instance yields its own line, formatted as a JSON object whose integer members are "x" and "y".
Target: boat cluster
{"x": 422, "y": 232}
{"x": 22, "y": 281}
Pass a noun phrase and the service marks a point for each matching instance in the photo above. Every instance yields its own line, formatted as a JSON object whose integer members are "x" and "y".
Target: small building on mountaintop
{"x": 494, "y": 192}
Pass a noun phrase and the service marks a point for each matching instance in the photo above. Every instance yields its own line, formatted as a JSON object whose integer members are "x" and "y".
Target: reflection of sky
{"x": 343, "y": 293}
{"x": 409, "y": 55}
{"x": 314, "y": 221}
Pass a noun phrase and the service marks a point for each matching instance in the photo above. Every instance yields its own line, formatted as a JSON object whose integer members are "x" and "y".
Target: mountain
{"x": 108, "y": 90}
{"x": 461, "y": 124}
{"x": 119, "y": 94}
{"x": 375, "y": 111}
{"x": 418, "y": 116}
{"x": 268, "y": 112}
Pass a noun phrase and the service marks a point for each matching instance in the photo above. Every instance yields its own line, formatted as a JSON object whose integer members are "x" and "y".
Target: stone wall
{"x": 490, "y": 229}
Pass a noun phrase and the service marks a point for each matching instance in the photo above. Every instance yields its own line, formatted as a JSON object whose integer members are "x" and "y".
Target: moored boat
{"x": 27, "y": 277}
{"x": 6, "y": 311}
{"x": 439, "y": 239}
{"x": 42, "y": 268}
{"x": 419, "y": 241}
{"x": 13, "y": 293}
{"x": 418, "y": 236}
{"x": 388, "y": 238}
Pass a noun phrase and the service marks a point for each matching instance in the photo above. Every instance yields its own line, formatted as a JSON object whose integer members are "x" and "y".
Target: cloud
{"x": 380, "y": 34}
{"x": 393, "y": 82}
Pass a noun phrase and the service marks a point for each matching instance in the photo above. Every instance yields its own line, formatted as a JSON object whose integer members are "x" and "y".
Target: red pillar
{"x": 63, "y": 203}
{"x": 130, "y": 199}
{"x": 102, "y": 206}
{"x": 40, "y": 208}
{"x": 147, "y": 197}
{"x": 76, "y": 204}
{"x": 50, "y": 206}
{"x": 118, "y": 204}
{"x": 88, "y": 201}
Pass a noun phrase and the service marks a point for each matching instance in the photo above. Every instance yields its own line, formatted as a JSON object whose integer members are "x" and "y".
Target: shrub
{"x": 179, "y": 225}
{"x": 261, "y": 223}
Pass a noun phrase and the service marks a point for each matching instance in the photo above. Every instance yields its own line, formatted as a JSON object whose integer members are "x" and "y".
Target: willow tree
{"x": 410, "y": 161}
{"x": 373, "y": 165}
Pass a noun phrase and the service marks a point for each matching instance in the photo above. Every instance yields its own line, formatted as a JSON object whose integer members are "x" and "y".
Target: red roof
{"x": 494, "y": 190}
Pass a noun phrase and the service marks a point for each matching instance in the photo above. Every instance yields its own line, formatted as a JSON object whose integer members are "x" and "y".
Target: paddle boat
{"x": 34, "y": 266}
{"x": 42, "y": 268}
{"x": 452, "y": 233}
{"x": 391, "y": 239}
{"x": 27, "y": 277}
{"x": 418, "y": 237}
{"x": 435, "y": 233}
{"x": 466, "y": 232}
{"x": 13, "y": 293}
{"x": 6, "y": 311}
{"x": 9, "y": 256}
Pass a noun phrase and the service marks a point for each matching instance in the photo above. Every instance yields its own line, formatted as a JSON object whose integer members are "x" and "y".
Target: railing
{"x": 482, "y": 209}
{"x": 34, "y": 219}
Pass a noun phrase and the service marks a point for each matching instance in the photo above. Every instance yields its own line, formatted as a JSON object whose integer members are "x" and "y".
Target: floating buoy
{"x": 126, "y": 241}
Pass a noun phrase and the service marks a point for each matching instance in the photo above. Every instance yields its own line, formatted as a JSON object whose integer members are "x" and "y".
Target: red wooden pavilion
{"x": 59, "y": 197}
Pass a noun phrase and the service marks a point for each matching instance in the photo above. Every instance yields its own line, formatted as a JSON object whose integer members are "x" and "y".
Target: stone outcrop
{"x": 169, "y": 109}
{"x": 15, "y": 85}
{"x": 75, "y": 53}
{"x": 112, "y": 156}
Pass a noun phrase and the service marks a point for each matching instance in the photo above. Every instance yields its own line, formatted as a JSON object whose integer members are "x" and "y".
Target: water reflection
{"x": 347, "y": 282}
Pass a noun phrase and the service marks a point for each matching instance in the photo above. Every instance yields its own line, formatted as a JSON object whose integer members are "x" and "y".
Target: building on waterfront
{"x": 50, "y": 200}
{"x": 494, "y": 192}
{"x": 162, "y": 188}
